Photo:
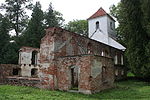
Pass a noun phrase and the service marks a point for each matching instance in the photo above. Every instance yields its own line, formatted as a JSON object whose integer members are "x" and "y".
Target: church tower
{"x": 101, "y": 27}
{"x": 101, "y": 23}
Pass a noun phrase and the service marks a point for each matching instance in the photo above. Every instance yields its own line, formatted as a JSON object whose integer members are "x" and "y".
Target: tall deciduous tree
{"x": 15, "y": 11}
{"x": 35, "y": 29}
{"x": 78, "y": 26}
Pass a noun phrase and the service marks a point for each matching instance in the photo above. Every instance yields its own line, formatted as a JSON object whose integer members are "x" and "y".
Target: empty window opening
{"x": 34, "y": 72}
{"x": 102, "y": 53}
{"x": 116, "y": 59}
{"x": 34, "y": 58}
{"x": 122, "y": 63}
{"x": 16, "y": 71}
{"x": 105, "y": 53}
{"x": 97, "y": 25}
{"x": 116, "y": 72}
{"x": 104, "y": 74}
{"x": 89, "y": 48}
{"x": 19, "y": 57}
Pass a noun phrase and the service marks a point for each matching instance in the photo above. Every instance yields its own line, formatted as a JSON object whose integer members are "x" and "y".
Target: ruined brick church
{"x": 66, "y": 60}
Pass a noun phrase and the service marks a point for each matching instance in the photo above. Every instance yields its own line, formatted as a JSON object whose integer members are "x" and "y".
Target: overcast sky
{"x": 76, "y": 9}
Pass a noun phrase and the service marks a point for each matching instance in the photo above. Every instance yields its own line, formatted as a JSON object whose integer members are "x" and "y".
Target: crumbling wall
{"x": 47, "y": 73}
{"x": 26, "y": 70}
{"x": 25, "y": 55}
{"x": 102, "y": 76}
{"x": 6, "y": 70}
{"x": 91, "y": 76}
{"x": 60, "y": 42}
{"x": 61, "y": 49}
{"x": 120, "y": 72}
{"x": 7, "y": 77}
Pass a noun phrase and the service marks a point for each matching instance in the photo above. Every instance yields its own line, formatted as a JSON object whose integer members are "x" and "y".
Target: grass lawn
{"x": 127, "y": 90}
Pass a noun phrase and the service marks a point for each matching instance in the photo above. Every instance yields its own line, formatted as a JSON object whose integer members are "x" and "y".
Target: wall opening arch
{"x": 97, "y": 25}
{"x": 74, "y": 76}
{"x": 34, "y": 58}
{"x": 89, "y": 48}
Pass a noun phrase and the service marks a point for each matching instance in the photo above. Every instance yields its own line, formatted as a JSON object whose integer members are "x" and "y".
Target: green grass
{"x": 127, "y": 90}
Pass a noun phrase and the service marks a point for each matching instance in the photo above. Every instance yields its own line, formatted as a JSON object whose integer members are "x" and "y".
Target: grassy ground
{"x": 127, "y": 90}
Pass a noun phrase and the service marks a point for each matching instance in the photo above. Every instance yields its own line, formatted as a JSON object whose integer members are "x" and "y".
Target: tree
{"x": 15, "y": 11}
{"x": 146, "y": 23}
{"x": 53, "y": 18}
{"x": 119, "y": 13}
{"x": 78, "y": 26}
{"x": 134, "y": 17}
{"x": 9, "y": 53}
{"x": 4, "y": 31}
{"x": 4, "y": 36}
{"x": 35, "y": 30}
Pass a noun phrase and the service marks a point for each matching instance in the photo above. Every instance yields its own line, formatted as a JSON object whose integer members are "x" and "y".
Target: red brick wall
{"x": 61, "y": 49}
{"x": 6, "y": 70}
{"x": 6, "y": 77}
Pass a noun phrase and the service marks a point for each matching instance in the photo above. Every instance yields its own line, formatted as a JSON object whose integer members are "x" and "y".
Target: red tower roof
{"x": 100, "y": 12}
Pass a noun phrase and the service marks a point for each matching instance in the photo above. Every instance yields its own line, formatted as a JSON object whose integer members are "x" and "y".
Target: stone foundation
{"x": 22, "y": 81}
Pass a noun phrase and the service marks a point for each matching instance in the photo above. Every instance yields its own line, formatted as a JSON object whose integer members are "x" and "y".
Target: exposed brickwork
{"x": 6, "y": 70}
{"x": 22, "y": 81}
{"x": 7, "y": 77}
{"x": 66, "y": 60}
{"x": 61, "y": 49}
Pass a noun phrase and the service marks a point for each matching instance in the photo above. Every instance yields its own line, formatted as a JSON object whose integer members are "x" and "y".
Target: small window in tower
{"x": 111, "y": 25}
{"x": 97, "y": 25}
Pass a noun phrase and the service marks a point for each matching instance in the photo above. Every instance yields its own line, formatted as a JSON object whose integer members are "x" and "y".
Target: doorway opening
{"x": 74, "y": 74}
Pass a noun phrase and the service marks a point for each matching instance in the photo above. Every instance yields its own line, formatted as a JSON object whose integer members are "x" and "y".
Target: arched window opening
{"x": 116, "y": 59}
{"x": 34, "y": 72}
{"x": 116, "y": 72}
{"x": 111, "y": 25}
{"x": 34, "y": 58}
{"x": 89, "y": 48}
{"x": 97, "y": 25}
{"x": 122, "y": 63}
{"x": 104, "y": 74}
{"x": 105, "y": 53}
{"x": 20, "y": 57}
{"x": 102, "y": 54}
